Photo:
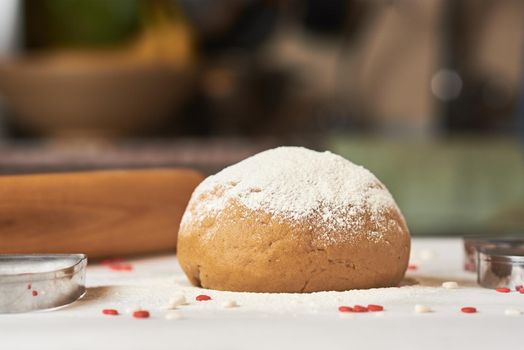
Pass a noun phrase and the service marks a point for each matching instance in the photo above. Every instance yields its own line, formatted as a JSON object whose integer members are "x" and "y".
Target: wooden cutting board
{"x": 99, "y": 213}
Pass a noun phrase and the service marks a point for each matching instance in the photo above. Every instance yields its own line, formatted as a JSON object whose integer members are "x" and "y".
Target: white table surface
{"x": 306, "y": 321}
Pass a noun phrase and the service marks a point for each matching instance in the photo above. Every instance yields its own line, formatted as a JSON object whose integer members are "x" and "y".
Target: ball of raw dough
{"x": 293, "y": 220}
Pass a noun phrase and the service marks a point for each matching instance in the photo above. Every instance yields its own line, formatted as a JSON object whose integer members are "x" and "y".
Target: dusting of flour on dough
{"x": 296, "y": 183}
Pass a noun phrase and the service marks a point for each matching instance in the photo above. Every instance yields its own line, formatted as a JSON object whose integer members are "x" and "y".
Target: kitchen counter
{"x": 261, "y": 321}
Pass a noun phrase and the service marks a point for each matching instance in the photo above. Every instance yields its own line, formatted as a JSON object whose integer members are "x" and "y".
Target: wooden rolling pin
{"x": 99, "y": 213}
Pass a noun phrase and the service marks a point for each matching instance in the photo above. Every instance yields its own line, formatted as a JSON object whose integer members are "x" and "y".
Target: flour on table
{"x": 295, "y": 183}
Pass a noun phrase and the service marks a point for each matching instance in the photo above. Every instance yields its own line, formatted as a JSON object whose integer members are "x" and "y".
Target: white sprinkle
{"x": 450, "y": 285}
{"x": 229, "y": 304}
{"x": 512, "y": 312}
{"x": 173, "y": 315}
{"x": 177, "y": 300}
{"x": 422, "y": 309}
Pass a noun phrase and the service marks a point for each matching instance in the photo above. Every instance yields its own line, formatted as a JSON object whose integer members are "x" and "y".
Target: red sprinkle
{"x": 469, "y": 267}
{"x": 518, "y": 288}
{"x": 345, "y": 309}
{"x": 360, "y": 308}
{"x": 503, "y": 290}
{"x": 111, "y": 312}
{"x": 34, "y": 293}
{"x": 468, "y": 310}
{"x": 412, "y": 267}
{"x": 374, "y": 308}
{"x": 117, "y": 264}
{"x": 202, "y": 297}
{"x": 141, "y": 314}
{"x": 29, "y": 286}
{"x": 120, "y": 267}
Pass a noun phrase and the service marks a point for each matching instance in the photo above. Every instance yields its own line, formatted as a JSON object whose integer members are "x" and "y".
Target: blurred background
{"x": 426, "y": 94}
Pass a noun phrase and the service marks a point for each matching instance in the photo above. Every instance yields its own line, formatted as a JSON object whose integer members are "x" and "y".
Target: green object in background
{"x": 447, "y": 187}
{"x": 77, "y": 23}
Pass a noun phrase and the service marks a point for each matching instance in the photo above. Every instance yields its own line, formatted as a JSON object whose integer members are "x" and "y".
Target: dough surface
{"x": 293, "y": 220}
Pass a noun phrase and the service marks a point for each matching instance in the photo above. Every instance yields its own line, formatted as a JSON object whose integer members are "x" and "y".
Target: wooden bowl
{"x": 92, "y": 95}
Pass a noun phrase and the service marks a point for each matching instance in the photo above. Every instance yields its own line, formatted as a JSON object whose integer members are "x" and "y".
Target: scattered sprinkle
{"x": 512, "y": 312}
{"x": 450, "y": 285}
{"x": 111, "y": 312}
{"x": 375, "y": 308}
{"x": 422, "y": 309}
{"x": 412, "y": 267}
{"x": 468, "y": 310}
{"x": 229, "y": 304}
{"x": 345, "y": 309}
{"x": 120, "y": 267}
{"x": 202, "y": 297}
{"x": 29, "y": 286}
{"x": 468, "y": 266}
{"x": 177, "y": 300}
{"x": 34, "y": 293}
{"x": 117, "y": 264}
{"x": 141, "y": 314}
{"x": 503, "y": 290}
{"x": 518, "y": 288}
{"x": 521, "y": 290}
{"x": 360, "y": 308}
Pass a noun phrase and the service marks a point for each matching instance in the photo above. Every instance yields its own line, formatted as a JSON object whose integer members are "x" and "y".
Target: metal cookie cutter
{"x": 38, "y": 282}
{"x": 501, "y": 267}
{"x": 473, "y": 244}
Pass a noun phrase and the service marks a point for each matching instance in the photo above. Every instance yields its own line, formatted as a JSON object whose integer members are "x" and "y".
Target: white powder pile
{"x": 156, "y": 281}
{"x": 295, "y": 184}
{"x": 155, "y": 294}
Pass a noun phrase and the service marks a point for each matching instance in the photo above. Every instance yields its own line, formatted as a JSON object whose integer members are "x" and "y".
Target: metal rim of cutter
{"x": 32, "y": 282}
{"x": 501, "y": 266}
{"x": 473, "y": 244}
